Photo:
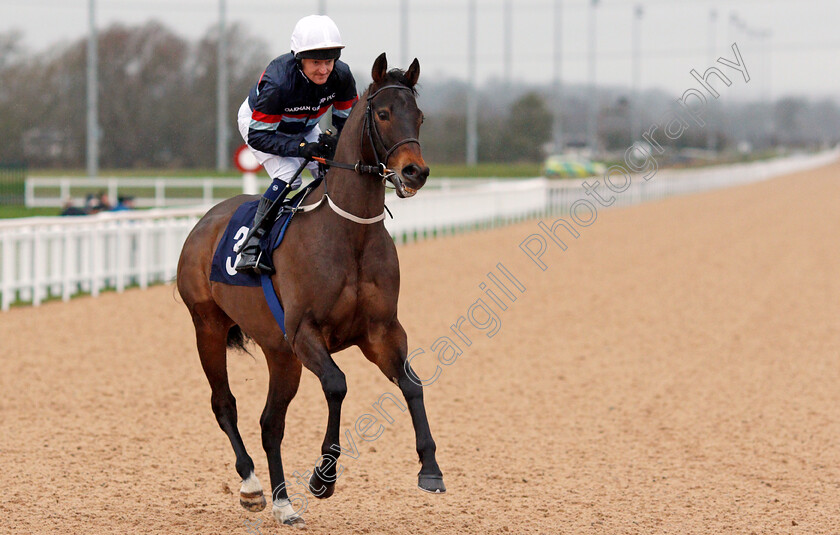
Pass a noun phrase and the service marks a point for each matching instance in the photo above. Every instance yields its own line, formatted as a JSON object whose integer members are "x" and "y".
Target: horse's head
{"x": 394, "y": 125}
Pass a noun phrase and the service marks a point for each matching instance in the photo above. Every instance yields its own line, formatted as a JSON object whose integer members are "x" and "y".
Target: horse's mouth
{"x": 406, "y": 192}
{"x": 403, "y": 191}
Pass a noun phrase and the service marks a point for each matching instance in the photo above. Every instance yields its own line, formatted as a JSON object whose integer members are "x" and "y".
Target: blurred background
{"x": 87, "y": 85}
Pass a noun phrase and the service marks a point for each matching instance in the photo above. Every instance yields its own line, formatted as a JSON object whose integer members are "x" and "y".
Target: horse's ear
{"x": 380, "y": 67}
{"x": 413, "y": 73}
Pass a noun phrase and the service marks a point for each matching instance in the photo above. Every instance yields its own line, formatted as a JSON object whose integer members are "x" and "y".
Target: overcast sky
{"x": 801, "y": 58}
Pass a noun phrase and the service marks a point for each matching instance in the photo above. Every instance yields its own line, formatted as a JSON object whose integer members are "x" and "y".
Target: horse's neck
{"x": 361, "y": 195}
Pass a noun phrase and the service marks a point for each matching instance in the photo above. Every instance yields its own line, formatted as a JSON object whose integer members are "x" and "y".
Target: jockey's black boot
{"x": 250, "y": 257}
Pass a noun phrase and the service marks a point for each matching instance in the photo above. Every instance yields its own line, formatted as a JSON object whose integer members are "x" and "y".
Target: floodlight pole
{"x": 558, "y": 77}
{"x": 636, "y": 110}
{"x": 592, "y": 119}
{"x": 404, "y": 34}
{"x": 507, "y": 41}
{"x": 472, "y": 103}
{"x": 92, "y": 95}
{"x": 221, "y": 94}
{"x": 710, "y": 133}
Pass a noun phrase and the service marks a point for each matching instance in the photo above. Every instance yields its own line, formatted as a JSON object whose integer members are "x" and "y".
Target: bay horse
{"x": 338, "y": 281}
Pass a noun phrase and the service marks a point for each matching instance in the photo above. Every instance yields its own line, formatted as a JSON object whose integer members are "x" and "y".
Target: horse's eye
{"x": 383, "y": 115}
{"x": 422, "y": 118}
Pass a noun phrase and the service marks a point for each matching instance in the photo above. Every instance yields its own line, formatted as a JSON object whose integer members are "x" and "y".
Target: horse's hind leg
{"x": 211, "y": 329}
{"x": 284, "y": 377}
{"x": 387, "y": 348}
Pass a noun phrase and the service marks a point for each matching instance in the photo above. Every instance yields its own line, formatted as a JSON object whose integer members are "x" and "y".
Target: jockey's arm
{"x": 265, "y": 118}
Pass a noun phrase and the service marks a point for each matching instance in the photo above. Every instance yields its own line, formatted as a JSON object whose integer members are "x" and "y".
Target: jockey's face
{"x": 317, "y": 70}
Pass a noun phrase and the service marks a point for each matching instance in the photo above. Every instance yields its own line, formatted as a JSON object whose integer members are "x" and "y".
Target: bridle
{"x": 375, "y": 139}
{"x": 374, "y": 136}
{"x": 381, "y": 167}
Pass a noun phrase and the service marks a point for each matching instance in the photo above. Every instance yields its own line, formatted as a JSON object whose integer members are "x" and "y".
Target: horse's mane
{"x": 396, "y": 76}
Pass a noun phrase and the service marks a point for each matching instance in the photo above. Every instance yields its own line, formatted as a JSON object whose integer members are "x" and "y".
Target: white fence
{"x": 446, "y": 211}
{"x": 155, "y": 192}
{"x": 58, "y": 257}
{"x": 159, "y": 192}
{"x": 670, "y": 182}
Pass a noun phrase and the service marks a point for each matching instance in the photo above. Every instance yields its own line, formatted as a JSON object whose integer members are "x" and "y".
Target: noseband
{"x": 373, "y": 132}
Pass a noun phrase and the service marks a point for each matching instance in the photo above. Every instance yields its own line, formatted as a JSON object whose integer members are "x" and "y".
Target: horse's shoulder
{"x": 379, "y": 261}
{"x": 381, "y": 245}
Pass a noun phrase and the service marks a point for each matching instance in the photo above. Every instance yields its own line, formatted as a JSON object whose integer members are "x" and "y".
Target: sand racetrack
{"x": 675, "y": 370}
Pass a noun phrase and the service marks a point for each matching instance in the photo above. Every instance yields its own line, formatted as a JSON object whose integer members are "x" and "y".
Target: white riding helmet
{"x": 316, "y": 37}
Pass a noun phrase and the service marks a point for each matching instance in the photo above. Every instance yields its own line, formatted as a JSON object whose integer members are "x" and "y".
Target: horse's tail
{"x": 236, "y": 339}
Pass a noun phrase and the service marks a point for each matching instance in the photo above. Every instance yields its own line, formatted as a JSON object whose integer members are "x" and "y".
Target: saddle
{"x": 224, "y": 258}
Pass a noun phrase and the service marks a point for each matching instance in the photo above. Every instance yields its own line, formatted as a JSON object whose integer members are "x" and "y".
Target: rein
{"x": 380, "y": 168}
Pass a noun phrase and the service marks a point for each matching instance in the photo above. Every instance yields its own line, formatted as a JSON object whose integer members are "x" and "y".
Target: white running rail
{"x": 670, "y": 182}
{"x": 160, "y": 192}
{"x": 58, "y": 257}
{"x": 430, "y": 213}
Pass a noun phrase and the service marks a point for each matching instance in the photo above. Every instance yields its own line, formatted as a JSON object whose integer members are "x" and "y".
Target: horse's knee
{"x": 334, "y": 385}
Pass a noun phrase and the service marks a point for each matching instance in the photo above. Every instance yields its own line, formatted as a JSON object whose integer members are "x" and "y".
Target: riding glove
{"x": 328, "y": 142}
{"x": 310, "y": 150}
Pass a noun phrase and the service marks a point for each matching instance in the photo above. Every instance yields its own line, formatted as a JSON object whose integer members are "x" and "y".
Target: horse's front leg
{"x": 387, "y": 347}
{"x": 310, "y": 348}
{"x": 284, "y": 378}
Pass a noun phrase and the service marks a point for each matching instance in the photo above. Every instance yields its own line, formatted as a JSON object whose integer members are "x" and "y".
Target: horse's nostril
{"x": 415, "y": 174}
{"x": 410, "y": 170}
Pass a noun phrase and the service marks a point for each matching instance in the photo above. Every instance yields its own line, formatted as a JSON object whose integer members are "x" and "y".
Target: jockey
{"x": 279, "y": 119}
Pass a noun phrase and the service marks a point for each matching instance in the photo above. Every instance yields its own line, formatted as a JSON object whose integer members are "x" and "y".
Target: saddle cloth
{"x": 225, "y": 256}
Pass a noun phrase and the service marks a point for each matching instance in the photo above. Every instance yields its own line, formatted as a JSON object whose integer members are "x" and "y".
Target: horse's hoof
{"x": 318, "y": 485}
{"x": 251, "y": 494}
{"x": 297, "y": 522}
{"x": 286, "y": 515}
{"x": 252, "y": 501}
{"x": 432, "y": 484}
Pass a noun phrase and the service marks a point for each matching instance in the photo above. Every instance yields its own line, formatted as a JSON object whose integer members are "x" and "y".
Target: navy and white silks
{"x": 284, "y": 107}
